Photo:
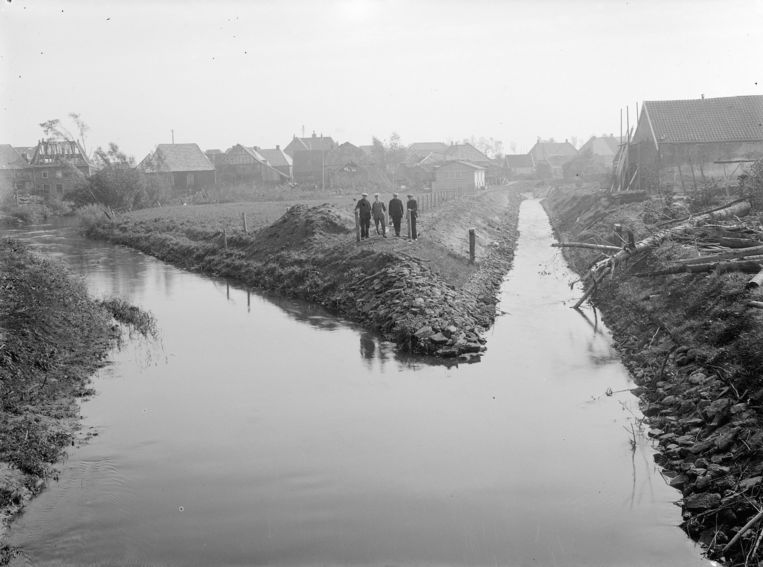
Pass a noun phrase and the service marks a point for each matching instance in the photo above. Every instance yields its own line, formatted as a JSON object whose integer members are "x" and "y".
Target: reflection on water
{"x": 265, "y": 431}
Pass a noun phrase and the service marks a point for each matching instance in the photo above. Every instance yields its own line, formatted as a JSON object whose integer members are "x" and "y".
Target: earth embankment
{"x": 423, "y": 294}
{"x": 692, "y": 343}
{"x": 52, "y": 338}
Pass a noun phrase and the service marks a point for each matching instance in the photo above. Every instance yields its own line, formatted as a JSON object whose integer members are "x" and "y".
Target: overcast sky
{"x": 223, "y": 72}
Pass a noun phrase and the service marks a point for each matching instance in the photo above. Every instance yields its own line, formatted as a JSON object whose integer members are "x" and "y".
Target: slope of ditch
{"x": 692, "y": 343}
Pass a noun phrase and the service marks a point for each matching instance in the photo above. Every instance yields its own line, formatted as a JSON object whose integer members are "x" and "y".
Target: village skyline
{"x": 258, "y": 74}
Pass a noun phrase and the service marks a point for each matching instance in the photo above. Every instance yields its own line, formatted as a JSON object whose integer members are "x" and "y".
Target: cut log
{"x": 755, "y": 304}
{"x": 602, "y": 247}
{"x": 756, "y": 281}
{"x": 757, "y": 250}
{"x": 720, "y": 267}
{"x": 738, "y": 242}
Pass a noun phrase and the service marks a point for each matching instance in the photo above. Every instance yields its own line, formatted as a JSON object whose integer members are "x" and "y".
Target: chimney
{"x": 314, "y": 134}
{"x": 278, "y": 147}
{"x": 703, "y": 96}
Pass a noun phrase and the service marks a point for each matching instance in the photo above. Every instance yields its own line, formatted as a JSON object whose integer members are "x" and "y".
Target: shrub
{"x": 91, "y": 216}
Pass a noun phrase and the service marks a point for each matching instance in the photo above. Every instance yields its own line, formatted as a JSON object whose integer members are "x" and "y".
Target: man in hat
{"x": 396, "y": 212}
{"x": 379, "y": 212}
{"x": 413, "y": 208}
{"x": 364, "y": 212}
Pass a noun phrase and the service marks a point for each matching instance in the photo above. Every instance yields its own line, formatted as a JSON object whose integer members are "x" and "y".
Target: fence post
{"x": 472, "y": 239}
{"x": 243, "y": 218}
{"x": 357, "y": 226}
{"x": 408, "y": 222}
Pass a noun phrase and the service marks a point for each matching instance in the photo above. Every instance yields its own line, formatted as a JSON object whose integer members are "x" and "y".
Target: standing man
{"x": 379, "y": 212}
{"x": 364, "y": 212}
{"x": 413, "y": 208}
{"x": 396, "y": 212}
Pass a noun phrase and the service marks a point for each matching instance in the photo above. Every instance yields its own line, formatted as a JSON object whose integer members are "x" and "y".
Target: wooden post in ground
{"x": 225, "y": 239}
{"x": 243, "y": 219}
{"x": 357, "y": 226}
{"x": 472, "y": 242}
{"x": 408, "y": 223}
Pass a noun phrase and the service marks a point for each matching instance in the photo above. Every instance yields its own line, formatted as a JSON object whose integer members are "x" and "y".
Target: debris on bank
{"x": 679, "y": 302}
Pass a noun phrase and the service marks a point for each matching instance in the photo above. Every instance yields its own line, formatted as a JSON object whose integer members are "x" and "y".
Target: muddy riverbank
{"x": 52, "y": 338}
{"x": 423, "y": 294}
{"x": 692, "y": 344}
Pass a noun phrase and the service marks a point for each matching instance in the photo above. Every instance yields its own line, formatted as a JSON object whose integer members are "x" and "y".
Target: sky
{"x": 256, "y": 73}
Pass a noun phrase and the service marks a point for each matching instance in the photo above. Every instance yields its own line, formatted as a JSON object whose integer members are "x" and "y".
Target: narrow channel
{"x": 262, "y": 431}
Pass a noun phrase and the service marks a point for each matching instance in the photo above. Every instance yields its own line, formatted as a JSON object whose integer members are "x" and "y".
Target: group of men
{"x": 378, "y": 210}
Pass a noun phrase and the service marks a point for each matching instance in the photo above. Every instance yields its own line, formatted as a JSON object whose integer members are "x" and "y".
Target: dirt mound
{"x": 302, "y": 226}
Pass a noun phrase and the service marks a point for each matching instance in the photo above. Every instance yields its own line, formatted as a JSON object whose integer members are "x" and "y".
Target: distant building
{"x": 57, "y": 167}
{"x": 348, "y": 166}
{"x": 601, "y": 148}
{"x": 280, "y": 160}
{"x": 685, "y": 143}
{"x": 184, "y": 167}
{"x": 423, "y": 149}
{"x": 550, "y": 156}
{"x": 309, "y": 158}
{"x": 461, "y": 177}
{"x": 519, "y": 165}
{"x": 15, "y": 174}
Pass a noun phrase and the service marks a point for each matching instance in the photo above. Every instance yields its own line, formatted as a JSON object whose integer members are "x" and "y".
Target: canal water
{"x": 261, "y": 431}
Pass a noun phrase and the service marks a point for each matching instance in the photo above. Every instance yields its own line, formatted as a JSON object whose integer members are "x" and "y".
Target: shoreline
{"x": 423, "y": 294}
{"x": 53, "y": 338}
{"x": 690, "y": 344}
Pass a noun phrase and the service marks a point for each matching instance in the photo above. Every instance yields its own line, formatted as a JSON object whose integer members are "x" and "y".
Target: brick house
{"x": 56, "y": 168}
{"x": 461, "y": 177}
{"x": 685, "y": 143}
{"x": 309, "y": 158}
{"x": 183, "y": 167}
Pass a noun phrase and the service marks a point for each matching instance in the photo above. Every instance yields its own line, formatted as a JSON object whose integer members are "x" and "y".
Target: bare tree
{"x": 55, "y": 129}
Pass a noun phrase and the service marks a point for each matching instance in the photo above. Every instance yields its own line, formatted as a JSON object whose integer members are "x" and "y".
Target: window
{"x": 44, "y": 174}
{"x": 45, "y": 187}
{"x": 60, "y": 188}
{"x": 59, "y": 174}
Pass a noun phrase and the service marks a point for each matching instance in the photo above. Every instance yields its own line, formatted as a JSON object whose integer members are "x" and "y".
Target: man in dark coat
{"x": 364, "y": 212}
{"x": 379, "y": 212}
{"x": 413, "y": 208}
{"x": 396, "y": 212}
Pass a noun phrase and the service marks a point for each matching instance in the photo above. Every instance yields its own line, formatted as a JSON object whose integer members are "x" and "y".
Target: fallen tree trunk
{"x": 755, "y": 304}
{"x": 738, "y": 242}
{"x": 602, "y": 247}
{"x": 720, "y": 267}
{"x": 757, "y": 250}
{"x": 738, "y": 208}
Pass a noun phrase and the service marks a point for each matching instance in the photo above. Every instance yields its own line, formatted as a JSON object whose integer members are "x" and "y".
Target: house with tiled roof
{"x": 686, "y": 143}
{"x": 550, "y": 156}
{"x": 184, "y": 167}
{"x": 519, "y": 165}
{"x": 280, "y": 160}
{"x": 459, "y": 177}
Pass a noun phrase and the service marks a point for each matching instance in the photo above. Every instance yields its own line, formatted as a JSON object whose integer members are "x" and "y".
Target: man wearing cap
{"x": 364, "y": 212}
{"x": 413, "y": 208}
{"x": 396, "y": 212}
{"x": 379, "y": 212}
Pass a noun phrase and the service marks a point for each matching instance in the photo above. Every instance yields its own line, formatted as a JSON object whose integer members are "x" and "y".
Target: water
{"x": 263, "y": 431}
